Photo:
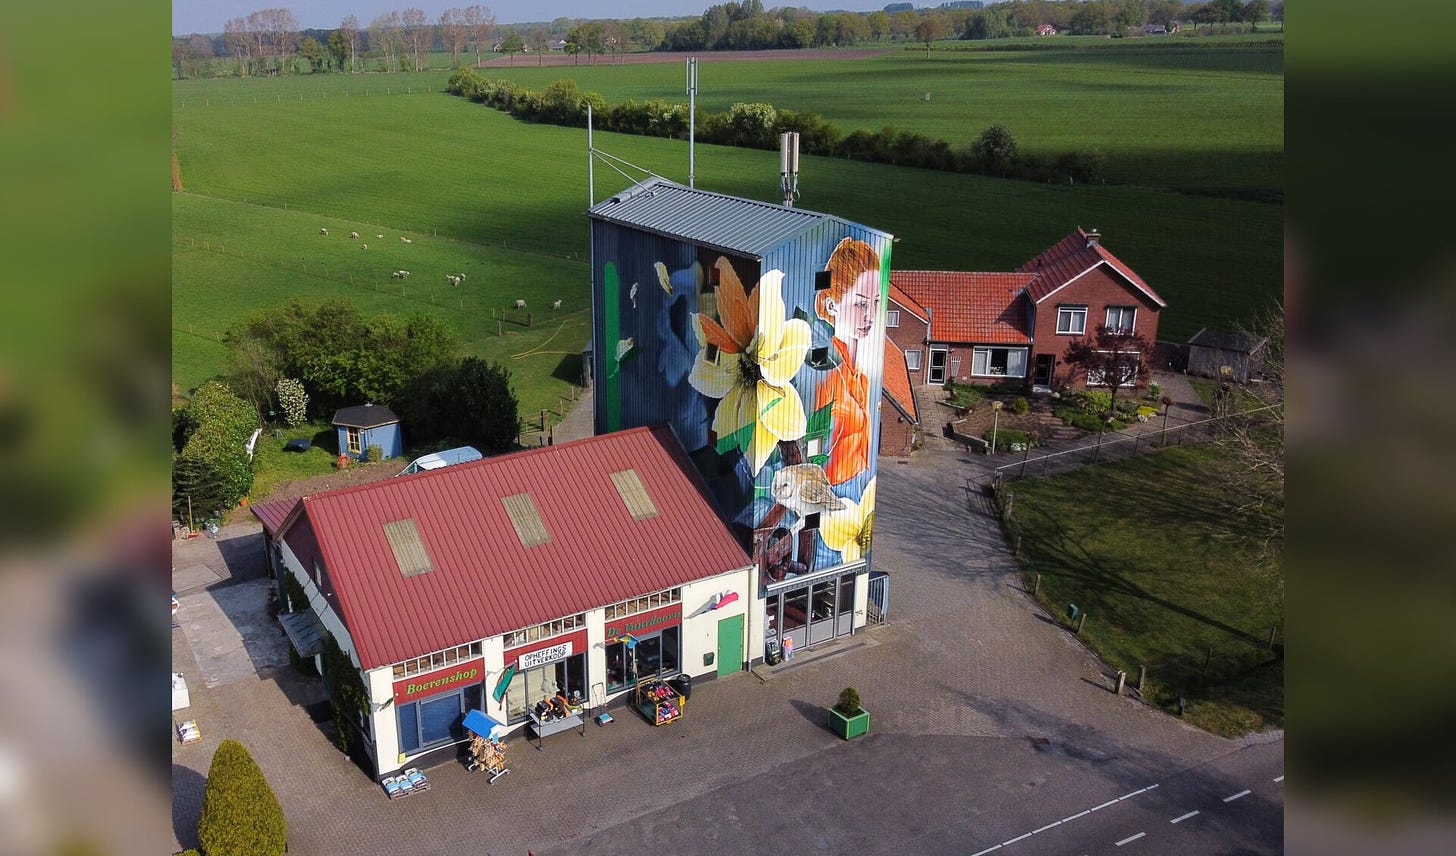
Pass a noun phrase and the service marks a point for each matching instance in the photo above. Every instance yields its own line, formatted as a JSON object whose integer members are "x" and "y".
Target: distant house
{"x": 368, "y": 425}
{"x": 1173, "y": 27}
{"x": 558, "y": 45}
{"x": 1230, "y": 356}
{"x": 1045, "y": 30}
{"x": 1155, "y": 30}
{"x": 983, "y": 328}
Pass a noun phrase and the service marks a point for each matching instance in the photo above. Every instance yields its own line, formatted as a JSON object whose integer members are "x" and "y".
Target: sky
{"x": 208, "y": 16}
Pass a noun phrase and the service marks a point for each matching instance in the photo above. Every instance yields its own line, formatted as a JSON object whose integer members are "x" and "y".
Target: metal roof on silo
{"x": 728, "y": 223}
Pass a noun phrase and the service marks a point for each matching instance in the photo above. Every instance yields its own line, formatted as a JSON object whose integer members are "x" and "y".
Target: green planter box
{"x": 849, "y": 726}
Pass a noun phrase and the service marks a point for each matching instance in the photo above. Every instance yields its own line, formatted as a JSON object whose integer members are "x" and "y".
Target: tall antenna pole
{"x": 789, "y": 166}
{"x": 591, "y": 181}
{"x": 692, "y": 112}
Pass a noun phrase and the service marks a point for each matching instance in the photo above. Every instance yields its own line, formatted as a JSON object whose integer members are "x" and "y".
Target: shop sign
{"x": 545, "y": 655}
{"x": 644, "y": 623}
{"x": 577, "y": 640}
{"x": 443, "y": 680}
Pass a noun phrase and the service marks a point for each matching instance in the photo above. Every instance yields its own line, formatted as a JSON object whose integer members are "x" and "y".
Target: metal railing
{"x": 1120, "y": 447}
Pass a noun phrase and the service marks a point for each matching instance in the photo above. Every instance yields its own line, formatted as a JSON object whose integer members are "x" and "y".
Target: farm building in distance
{"x": 1229, "y": 356}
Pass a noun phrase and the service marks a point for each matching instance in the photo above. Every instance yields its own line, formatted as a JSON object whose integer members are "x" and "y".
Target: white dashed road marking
{"x": 1182, "y": 817}
{"x": 1082, "y": 813}
{"x": 1242, "y": 793}
{"x": 1131, "y": 838}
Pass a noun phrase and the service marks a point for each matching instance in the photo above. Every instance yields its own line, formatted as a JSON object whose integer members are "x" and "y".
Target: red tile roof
{"x": 1069, "y": 259}
{"x": 897, "y": 379}
{"x": 909, "y": 303}
{"x": 970, "y": 307}
{"x": 483, "y": 581}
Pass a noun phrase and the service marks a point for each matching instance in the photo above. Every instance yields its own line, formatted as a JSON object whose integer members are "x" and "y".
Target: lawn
{"x": 1162, "y": 580}
{"x": 267, "y": 162}
{"x": 1200, "y": 119}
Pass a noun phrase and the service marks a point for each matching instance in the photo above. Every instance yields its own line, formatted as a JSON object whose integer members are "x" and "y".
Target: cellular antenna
{"x": 789, "y": 166}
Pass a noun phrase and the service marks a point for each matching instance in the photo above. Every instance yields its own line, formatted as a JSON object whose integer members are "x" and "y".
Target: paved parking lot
{"x": 984, "y": 713}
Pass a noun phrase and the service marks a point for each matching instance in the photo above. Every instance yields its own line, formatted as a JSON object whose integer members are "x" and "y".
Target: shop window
{"x": 436, "y": 721}
{"x": 565, "y": 676}
{"x": 656, "y": 655}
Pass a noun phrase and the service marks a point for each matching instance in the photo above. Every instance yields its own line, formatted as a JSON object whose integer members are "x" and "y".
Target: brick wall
{"x": 910, "y": 336}
{"x": 897, "y": 434}
{"x": 1097, "y": 290}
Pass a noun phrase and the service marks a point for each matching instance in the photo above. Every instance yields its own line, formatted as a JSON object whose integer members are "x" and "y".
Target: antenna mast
{"x": 692, "y": 63}
{"x": 591, "y": 181}
{"x": 789, "y": 166}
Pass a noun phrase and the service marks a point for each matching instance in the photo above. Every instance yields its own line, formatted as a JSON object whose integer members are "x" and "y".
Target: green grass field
{"x": 1205, "y": 119}
{"x": 1161, "y": 580}
{"x": 266, "y": 162}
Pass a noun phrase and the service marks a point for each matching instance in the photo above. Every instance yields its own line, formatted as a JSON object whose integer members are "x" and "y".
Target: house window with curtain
{"x": 1120, "y": 318}
{"x": 912, "y": 361}
{"x": 998, "y": 362}
{"x": 892, "y": 318}
{"x": 1072, "y": 320}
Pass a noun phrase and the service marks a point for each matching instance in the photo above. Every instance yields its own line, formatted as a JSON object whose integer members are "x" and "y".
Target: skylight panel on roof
{"x": 634, "y": 494}
{"x": 527, "y": 520}
{"x": 409, "y": 549}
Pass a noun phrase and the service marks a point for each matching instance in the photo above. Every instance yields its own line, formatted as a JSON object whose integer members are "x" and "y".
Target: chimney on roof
{"x": 1093, "y": 237}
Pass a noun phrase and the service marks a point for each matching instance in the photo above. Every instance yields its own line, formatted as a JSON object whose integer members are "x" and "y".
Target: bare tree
{"x": 454, "y": 35}
{"x": 538, "y": 39}
{"x": 417, "y": 35}
{"x": 1253, "y": 436}
{"x": 480, "y": 25}
{"x": 387, "y": 35}
{"x": 349, "y": 29}
{"x": 239, "y": 44}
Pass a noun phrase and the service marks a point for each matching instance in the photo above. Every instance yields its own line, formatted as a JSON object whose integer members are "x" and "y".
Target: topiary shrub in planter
{"x": 847, "y": 718}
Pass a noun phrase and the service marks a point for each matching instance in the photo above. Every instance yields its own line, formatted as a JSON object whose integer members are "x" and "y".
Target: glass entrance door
{"x": 937, "y": 365}
{"x": 821, "y": 611}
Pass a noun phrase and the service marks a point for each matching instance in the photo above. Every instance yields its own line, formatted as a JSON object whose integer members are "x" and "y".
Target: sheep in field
{"x": 455, "y": 278}
{"x": 324, "y": 232}
{"x": 520, "y": 304}
{"x": 400, "y": 274}
{"x": 363, "y": 246}
{"x": 556, "y": 304}
{"x": 381, "y": 237}
{"x": 406, "y": 240}
{"x": 354, "y": 235}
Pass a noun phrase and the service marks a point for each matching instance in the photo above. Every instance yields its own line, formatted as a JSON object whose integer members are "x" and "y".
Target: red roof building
{"x": 540, "y": 562}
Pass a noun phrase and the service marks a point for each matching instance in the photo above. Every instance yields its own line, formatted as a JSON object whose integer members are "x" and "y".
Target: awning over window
{"x": 483, "y": 725}
{"x": 304, "y": 631}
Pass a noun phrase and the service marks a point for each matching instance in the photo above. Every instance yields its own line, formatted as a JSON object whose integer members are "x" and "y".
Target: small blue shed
{"x": 368, "y": 425}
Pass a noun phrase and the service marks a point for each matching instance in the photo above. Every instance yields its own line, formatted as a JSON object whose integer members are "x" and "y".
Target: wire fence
{"x": 1120, "y": 447}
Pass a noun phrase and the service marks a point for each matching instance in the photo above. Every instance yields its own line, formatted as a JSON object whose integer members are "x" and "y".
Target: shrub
{"x": 848, "y": 704}
{"x": 1155, "y": 392}
{"x": 1006, "y": 438}
{"x": 240, "y": 813}
{"x": 374, "y": 453}
{"x": 1021, "y": 406}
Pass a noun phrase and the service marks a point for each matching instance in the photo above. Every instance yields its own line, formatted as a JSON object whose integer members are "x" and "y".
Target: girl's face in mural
{"x": 855, "y": 316}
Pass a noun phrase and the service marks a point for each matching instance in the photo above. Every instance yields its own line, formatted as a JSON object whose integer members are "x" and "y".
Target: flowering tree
{"x": 293, "y": 401}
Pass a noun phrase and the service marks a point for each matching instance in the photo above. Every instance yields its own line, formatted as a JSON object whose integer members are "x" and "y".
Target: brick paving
{"x": 978, "y": 702}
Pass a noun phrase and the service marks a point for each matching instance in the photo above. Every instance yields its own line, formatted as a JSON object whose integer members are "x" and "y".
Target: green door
{"x": 730, "y": 645}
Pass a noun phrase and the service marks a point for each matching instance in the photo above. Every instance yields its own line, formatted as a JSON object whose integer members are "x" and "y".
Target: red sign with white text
{"x": 644, "y": 623}
{"x": 439, "y": 681}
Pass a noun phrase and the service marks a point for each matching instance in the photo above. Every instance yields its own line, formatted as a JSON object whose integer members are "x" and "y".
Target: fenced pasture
{"x": 266, "y": 163}
{"x": 1192, "y": 118}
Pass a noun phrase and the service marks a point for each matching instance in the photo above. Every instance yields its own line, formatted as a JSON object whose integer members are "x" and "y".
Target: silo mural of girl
{"x": 851, "y": 304}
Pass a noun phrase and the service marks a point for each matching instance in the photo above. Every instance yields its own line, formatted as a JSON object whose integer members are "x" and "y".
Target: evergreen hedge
{"x": 240, "y": 814}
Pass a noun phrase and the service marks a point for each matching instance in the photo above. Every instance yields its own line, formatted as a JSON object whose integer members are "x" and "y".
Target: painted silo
{"x": 757, "y": 332}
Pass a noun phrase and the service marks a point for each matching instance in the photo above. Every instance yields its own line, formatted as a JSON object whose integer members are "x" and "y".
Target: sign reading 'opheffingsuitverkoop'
{"x": 545, "y": 655}
{"x": 446, "y": 679}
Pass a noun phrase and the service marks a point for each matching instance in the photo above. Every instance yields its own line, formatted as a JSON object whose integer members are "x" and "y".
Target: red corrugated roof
{"x": 483, "y": 581}
{"x": 1070, "y": 258}
{"x": 897, "y": 379}
{"x": 272, "y": 514}
{"x": 970, "y": 307}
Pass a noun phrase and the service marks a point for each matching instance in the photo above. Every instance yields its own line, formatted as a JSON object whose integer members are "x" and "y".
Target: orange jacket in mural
{"x": 848, "y": 389}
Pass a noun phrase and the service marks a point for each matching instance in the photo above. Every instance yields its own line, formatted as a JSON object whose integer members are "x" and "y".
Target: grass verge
{"x": 1166, "y": 582}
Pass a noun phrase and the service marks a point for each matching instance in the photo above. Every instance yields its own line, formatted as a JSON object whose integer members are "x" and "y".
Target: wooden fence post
{"x": 1081, "y": 620}
{"x": 1036, "y": 586}
{"x": 1142, "y": 676}
{"x": 1121, "y": 681}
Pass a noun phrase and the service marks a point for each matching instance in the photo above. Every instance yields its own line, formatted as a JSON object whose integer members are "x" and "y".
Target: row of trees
{"x": 269, "y": 41}
{"x": 758, "y": 125}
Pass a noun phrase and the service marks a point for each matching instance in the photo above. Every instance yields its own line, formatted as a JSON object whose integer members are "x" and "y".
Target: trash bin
{"x": 684, "y": 685}
{"x": 1072, "y": 612}
{"x": 771, "y": 654}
